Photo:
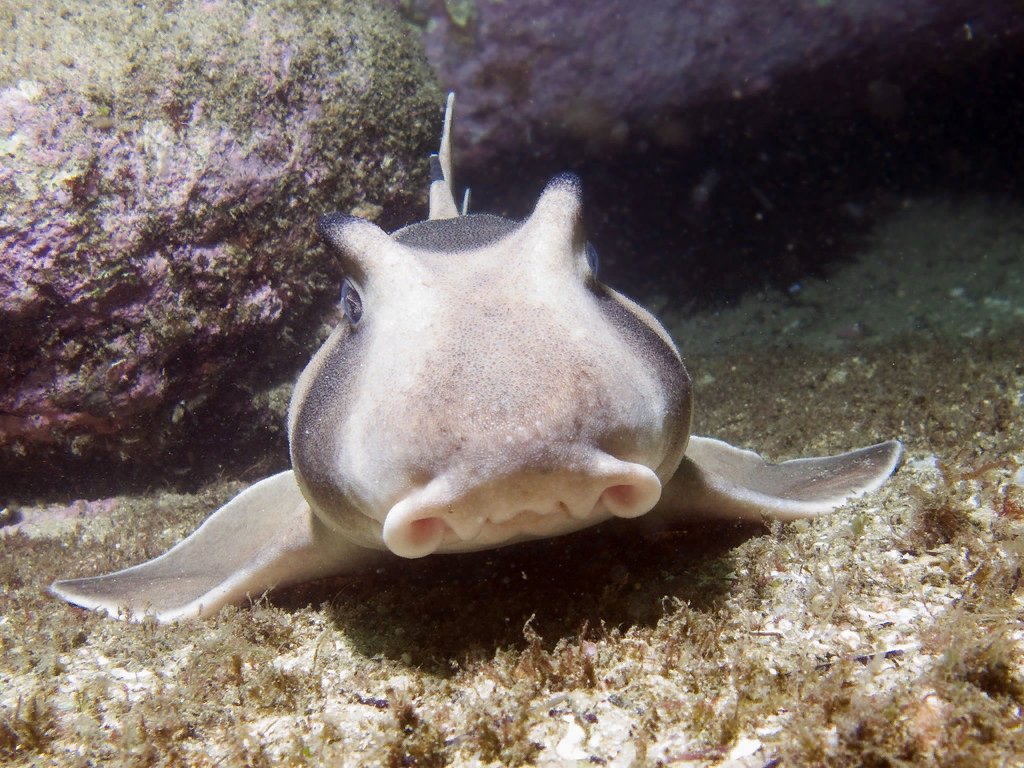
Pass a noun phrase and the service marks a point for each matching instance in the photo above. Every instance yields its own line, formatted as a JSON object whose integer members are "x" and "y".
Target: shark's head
{"x": 484, "y": 386}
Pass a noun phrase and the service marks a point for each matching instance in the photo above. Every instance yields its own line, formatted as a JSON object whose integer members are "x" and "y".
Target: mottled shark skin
{"x": 484, "y": 388}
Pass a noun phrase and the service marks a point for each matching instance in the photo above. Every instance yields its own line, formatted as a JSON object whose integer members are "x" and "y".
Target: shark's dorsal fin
{"x": 442, "y": 198}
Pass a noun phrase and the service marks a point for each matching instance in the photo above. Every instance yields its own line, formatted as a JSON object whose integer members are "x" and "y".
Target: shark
{"x": 482, "y": 388}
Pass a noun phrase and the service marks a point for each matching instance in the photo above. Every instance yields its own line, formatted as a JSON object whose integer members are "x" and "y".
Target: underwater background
{"x": 822, "y": 202}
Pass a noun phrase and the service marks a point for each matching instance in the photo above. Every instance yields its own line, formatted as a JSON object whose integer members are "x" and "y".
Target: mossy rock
{"x": 161, "y": 180}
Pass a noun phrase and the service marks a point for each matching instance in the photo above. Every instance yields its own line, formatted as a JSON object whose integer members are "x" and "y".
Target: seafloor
{"x": 886, "y": 634}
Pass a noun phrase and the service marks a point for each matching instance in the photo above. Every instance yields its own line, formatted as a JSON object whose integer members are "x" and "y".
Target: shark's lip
{"x": 442, "y": 518}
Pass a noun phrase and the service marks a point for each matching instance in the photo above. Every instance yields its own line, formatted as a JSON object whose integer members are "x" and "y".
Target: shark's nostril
{"x": 425, "y": 529}
{"x": 634, "y": 497}
{"x": 620, "y": 496}
{"x": 416, "y": 538}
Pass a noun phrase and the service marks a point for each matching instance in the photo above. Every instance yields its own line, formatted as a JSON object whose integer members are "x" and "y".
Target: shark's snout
{"x": 458, "y": 516}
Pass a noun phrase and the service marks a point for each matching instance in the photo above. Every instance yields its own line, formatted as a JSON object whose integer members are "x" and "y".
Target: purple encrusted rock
{"x": 535, "y": 72}
{"x": 161, "y": 175}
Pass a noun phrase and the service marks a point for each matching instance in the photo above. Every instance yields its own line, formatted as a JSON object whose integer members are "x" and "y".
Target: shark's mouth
{"x": 443, "y": 518}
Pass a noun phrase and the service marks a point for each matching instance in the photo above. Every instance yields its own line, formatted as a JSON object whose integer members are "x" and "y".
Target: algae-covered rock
{"x": 161, "y": 176}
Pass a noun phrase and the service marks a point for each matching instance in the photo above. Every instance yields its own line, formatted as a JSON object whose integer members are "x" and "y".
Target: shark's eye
{"x": 351, "y": 302}
{"x": 592, "y": 260}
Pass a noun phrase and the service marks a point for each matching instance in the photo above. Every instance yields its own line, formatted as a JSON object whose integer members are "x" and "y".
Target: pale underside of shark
{"x": 484, "y": 388}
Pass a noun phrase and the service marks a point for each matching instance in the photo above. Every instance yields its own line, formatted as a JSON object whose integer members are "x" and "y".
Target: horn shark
{"x": 483, "y": 388}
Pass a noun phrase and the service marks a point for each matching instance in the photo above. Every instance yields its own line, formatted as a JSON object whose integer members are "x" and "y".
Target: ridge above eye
{"x": 593, "y": 260}
{"x": 351, "y": 302}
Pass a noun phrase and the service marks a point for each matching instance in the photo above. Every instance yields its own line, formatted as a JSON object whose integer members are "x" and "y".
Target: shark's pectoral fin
{"x": 265, "y": 537}
{"x": 720, "y": 479}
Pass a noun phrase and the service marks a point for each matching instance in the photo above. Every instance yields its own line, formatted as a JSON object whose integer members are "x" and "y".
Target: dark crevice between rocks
{"x": 770, "y": 189}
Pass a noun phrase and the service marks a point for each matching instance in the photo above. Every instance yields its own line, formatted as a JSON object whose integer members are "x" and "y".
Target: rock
{"x": 161, "y": 177}
{"x": 535, "y": 72}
